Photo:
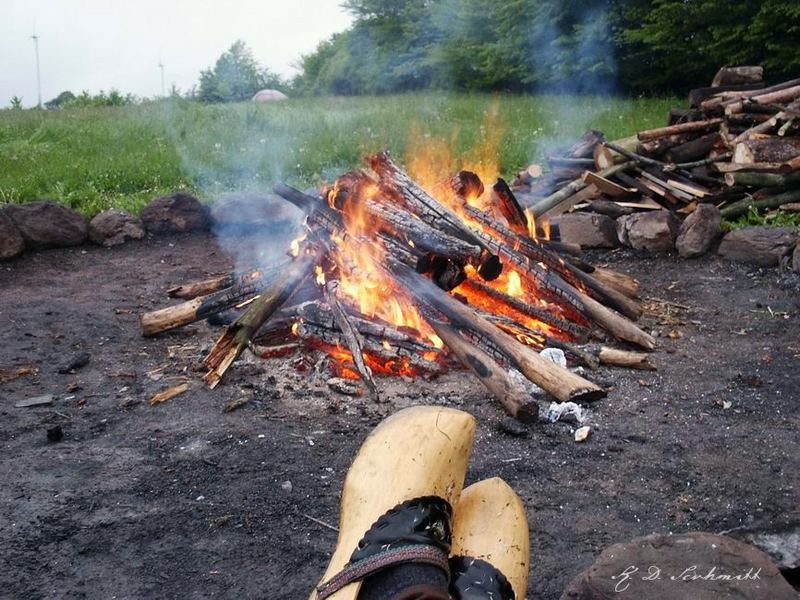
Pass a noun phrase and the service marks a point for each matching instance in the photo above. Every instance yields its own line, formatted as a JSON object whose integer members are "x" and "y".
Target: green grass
{"x": 121, "y": 157}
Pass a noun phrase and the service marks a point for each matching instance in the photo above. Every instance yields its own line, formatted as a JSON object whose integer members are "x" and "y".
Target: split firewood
{"x": 237, "y": 336}
{"x": 507, "y": 204}
{"x": 352, "y": 338}
{"x": 769, "y": 150}
{"x": 168, "y": 393}
{"x": 738, "y": 75}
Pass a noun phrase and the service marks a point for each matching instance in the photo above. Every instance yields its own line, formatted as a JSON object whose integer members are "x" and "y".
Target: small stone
{"x": 513, "y": 428}
{"x": 699, "y": 231}
{"x": 555, "y": 355}
{"x": 77, "y": 362}
{"x": 55, "y": 434}
{"x": 114, "y": 227}
{"x": 581, "y": 433}
{"x": 286, "y": 486}
{"x": 35, "y": 401}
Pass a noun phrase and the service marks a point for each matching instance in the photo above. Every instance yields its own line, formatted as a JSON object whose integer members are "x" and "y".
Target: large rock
{"x": 248, "y": 211}
{"x": 176, "y": 213}
{"x": 590, "y": 230}
{"x": 699, "y": 231}
{"x": 11, "y": 242}
{"x": 692, "y": 565}
{"x": 759, "y": 244}
{"x": 654, "y": 231}
{"x": 48, "y": 224}
{"x": 114, "y": 227}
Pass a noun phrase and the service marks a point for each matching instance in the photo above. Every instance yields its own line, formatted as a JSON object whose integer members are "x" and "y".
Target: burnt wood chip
{"x": 77, "y": 362}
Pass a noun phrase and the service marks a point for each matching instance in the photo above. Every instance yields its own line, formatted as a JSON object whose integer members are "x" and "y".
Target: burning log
{"x": 188, "y": 291}
{"x": 528, "y": 310}
{"x": 534, "y": 251}
{"x": 513, "y": 398}
{"x": 429, "y": 209}
{"x": 197, "y": 309}
{"x": 237, "y": 336}
{"x": 561, "y": 383}
{"x": 507, "y": 203}
{"x": 352, "y": 338}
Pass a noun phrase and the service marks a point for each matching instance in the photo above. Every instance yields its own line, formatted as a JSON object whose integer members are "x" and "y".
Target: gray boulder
{"x": 176, "y": 213}
{"x": 48, "y": 224}
{"x": 590, "y": 230}
{"x": 759, "y": 244}
{"x": 654, "y": 231}
{"x": 796, "y": 258}
{"x": 11, "y": 242}
{"x": 690, "y": 565}
{"x": 114, "y": 227}
{"x": 699, "y": 231}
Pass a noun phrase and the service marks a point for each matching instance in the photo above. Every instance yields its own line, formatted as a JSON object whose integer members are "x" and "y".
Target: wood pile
{"x": 391, "y": 278}
{"x": 737, "y": 146}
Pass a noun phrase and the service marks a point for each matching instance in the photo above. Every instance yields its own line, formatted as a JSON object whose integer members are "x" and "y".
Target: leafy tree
{"x": 16, "y": 103}
{"x": 59, "y": 101}
{"x": 236, "y": 76}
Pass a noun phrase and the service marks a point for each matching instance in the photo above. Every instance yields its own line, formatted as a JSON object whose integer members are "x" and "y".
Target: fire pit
{"x": 396, "y": 277}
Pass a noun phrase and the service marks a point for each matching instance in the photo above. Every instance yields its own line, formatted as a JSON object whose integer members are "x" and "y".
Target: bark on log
{"x": 624, "y": 284}
{"x": 743, "y": 206}
{"x": 762, "y": 180}
{"x": 693, "y": 149}
{"x": 193, "y": 289}
{"x": 561, "y": 383}
{"x": 777, "y": 97}
{"x": 511, "y": 396}
{"x": 692, "y": 126}
{"x": 624, "y": 358}
{"x": 236, "y": 337}
{"x": 584, "y": 147}
{"x": 773, "y": 149}
{"x": 657, "y": 147}
{"x": 698, "y": 96}
{"x": 586, "y": 194}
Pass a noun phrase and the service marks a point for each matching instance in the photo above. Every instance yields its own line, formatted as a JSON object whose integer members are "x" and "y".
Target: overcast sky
{"x": 102, "y": 44}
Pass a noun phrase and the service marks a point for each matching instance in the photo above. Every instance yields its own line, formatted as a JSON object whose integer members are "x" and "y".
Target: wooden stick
{"x": 561, "y": 383}
{"x": 776, "y": 97}
{"x": 236, "y": 337}
{"x": 743, "y": 206}
{"x": 761, "y": 180}
{"x": 624, "y": 284}
{"x": 193, "y": 289}
{"x": 624, "y": 358}
{"x": 353, "y": 339}
{"x": 511, "y": 396}
{"x": 651, "y": 134}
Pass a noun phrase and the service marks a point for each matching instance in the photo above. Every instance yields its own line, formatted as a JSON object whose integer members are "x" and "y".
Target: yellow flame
{"x": 319, "y": 275}
{"x": 514, "y": 286}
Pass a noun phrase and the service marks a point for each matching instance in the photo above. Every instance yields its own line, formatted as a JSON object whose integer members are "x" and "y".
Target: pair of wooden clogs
{"x": 422, "y": 452}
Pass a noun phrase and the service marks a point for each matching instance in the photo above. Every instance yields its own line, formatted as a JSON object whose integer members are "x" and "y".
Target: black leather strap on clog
{"x": 416, "y": 531}
{"x": 476, "y": 579}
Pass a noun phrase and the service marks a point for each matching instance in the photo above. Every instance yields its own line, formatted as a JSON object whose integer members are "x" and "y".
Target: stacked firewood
{"x": 395, "y": 279}
{"x": 737, "y": 146}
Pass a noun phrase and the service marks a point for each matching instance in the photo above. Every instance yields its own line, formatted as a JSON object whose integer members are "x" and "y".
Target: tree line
{"x": 628, "y": 46}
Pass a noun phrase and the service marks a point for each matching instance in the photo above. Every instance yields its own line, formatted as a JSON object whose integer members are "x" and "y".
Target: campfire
{"x": 398, "y": 277}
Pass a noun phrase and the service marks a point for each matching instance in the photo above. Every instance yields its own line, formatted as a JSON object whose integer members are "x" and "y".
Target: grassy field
{"x": 94, "y": 159}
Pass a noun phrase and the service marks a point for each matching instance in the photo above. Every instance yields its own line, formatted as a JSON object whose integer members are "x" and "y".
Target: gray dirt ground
{"x": 184, "y": 500}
